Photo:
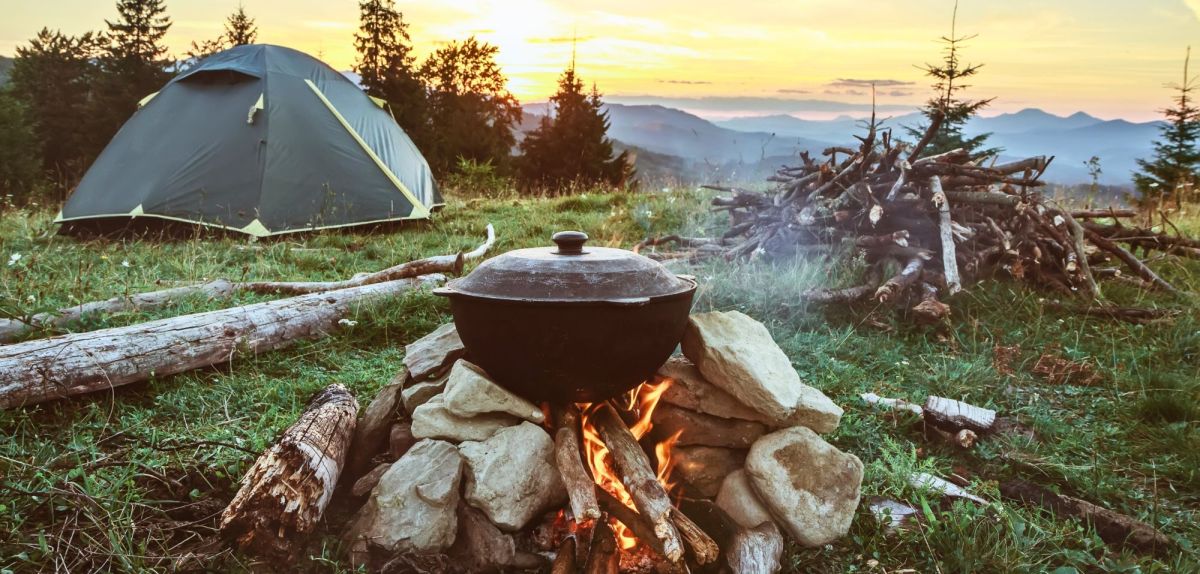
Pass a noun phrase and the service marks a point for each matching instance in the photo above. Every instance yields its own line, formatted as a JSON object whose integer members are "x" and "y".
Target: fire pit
{"x": 713, "y": 459}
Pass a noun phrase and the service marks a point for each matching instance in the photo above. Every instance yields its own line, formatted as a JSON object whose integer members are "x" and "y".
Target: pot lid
{"x": 572, "y": 271}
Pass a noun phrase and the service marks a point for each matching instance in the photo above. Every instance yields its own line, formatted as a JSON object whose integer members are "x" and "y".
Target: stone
{"x": 702, "y": 469}
{"x": 511, "y": 476}
{"x": 431, "y": 355}
{"x": 691, "y": 391}
{"x": 469, "y": 392}
{"x": 417, "y": 394}
{"x": 809, "y": 486}
{"x": 693, "y": 428}
{"x": 738, "y": 499}
{"x": 480, "y": 546}
{"x": 368, "y": 481}
{"x": 433, "y": 420}
{"x": 400, "y": 439}
{"x": 737, "y": 354}
{"x": 414, "y": 508}
{"x": 371, "y": 432}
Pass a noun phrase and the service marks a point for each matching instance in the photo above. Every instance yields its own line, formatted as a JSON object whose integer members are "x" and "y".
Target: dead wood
{"x": 11, "y": 329}
{"x": 1127, "y": 314}
{"x": 47, "y": 369}
{"x": 957, "y": 415}
{"x": 901, "y": 281}
{"x": 1113, "y": 527}
{"x": 949, "y": 261}
{"x": 1132, "y": 262}
{"x": 284, "y": 494}
{"x": 702, "y": 548}
{"x": 639, "y": 479}
{"x": 564, "y": 557}
{"x": 581, "y": 488}
{"x": 440, "y": 264}
{"x": 605, "y": 555}
{"x": 756, "y": 550}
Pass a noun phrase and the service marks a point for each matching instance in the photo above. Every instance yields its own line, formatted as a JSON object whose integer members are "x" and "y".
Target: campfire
{"x": 713, "y": 461}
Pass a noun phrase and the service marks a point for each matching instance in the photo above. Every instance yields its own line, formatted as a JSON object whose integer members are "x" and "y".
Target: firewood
{"x": 284, "y": 494}
{"x": 901, "y": 281}
{"x": 1132, "y": 262}
{"x": 581, "y": 488}
{"x": 564, "y": 557}
{"x": 949, "y": 262}
{"x": 1113, "y": 527}
{"x": 756, "y": 550}
{"x": 639, "y": 479}
{"x": 605, "y": 555}
{"x": 634, "y": 521}
{"x": 956, "y": 415}
{"x": 1103, "y": 213}
{"x": 702, "y": 547}
{"x": 11, "y": 329}
{"x": 47, "y": 369}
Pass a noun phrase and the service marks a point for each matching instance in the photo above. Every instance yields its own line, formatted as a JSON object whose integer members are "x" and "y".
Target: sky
{"x": 812, "y": 58}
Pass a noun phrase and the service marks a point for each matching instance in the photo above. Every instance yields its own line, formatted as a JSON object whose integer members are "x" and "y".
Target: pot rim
{"x": 449, "y": 291}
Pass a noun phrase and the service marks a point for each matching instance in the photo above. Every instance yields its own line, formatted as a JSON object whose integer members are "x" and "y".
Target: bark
{"x": 69, "y": 365}
{"x": 284, "y": 494}
{"x": 11, "y": 329}
{"x": 605, "y": 555}
{"x": 949, "y": 260}
{"x": 564, "y": 559}
{"x": 639, "y": 479}
{"x": 905, "y": 278}
{"x": 581, "y": 488}
{"x": 756, "y": 550}
{"x": 702, "y": 547}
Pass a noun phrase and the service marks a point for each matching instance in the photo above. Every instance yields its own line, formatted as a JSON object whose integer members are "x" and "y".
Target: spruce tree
{"x": 387, "y": 68}
{"x": 53, "y": 76}
{"x": 570, "y": 145}
{"x": 947, "y": 102}
{"x": 20, "y": 168}
{"x": 134, "y": 65}
{"x": 240, "y": 28}
{"x": 1174, "y": 171}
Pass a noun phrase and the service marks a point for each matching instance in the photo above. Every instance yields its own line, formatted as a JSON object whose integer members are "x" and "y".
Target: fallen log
{"x": 284, "y": 494}
{"x": 1113, "y": 527}
{"x": 1132, "y": 262}
{"x": 581, "y": 488}
{"x": 11, "y": 329}
{"x": 47, "y": 369}
{"x": 901, "y": 281}
{"x": 639, "y": 479}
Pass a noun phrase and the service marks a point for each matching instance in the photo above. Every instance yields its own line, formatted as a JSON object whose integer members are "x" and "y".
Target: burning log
{"x": 581, "y": 489}
{"x": 285, "y": 493}
{"x": 48, "y": 369}
{"x": 703, "y": 549}
{"x": 639, "y": 480}
{"x": 564, "y": 558}
{"x": 605, "y": 555}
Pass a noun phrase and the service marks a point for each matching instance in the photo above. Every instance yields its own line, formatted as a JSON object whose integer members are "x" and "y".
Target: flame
{"x": 642, "y": 401}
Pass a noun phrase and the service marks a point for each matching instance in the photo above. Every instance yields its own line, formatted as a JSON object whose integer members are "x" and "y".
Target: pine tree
{"x": 52, "y": 76}
{"x": 387, "y": 68}
{"x": 240, "y": 28}
{"x": 1174, "y": 170}
{"x": 954, "y": 112}
{"x": 20, "y": 167}
{"x": 471, "y": 112}
{"x": 570, "y": 145}
{"x": 133, "y": 65}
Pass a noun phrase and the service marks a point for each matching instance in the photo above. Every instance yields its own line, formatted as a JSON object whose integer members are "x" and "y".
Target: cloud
{"x": 753, "y": 105}
{"x": 559, "y": 40}
{"x": 792, "y": 91}
{"x": 845, "y": 92}
{"x": 1194, "y": 5}
{"x": 898, "y": 93}
{"x": 686, "y": 82}
{"x": 856, "y": 83}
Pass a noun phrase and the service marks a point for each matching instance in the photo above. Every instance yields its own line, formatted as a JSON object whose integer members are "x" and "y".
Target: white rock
{"x": 690, "y": 390}
{"x": 809, "y": 486}
{"x": 738, "y": 499}
{"x": 417, "y": 394}
{"x": 414, "y": 506}
{"x": 737, "y": 354}
{"x": 433, "y": 420}
{"x": 432, "y": 354}
{"x": 511, "y": 476}
{"x": 469, "y": 392}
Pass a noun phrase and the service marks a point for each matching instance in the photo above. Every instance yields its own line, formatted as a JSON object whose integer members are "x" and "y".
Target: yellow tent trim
{"x": 382, "y": 103}
{"x": 146, "y": 100}
{"x": 137, "y": 211}
{"x": 257, "y": 107}
{"x": 419, "y": 209}
{"x": 256, "y": 228}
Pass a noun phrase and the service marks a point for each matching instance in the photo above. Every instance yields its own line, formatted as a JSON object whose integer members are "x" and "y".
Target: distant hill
{"x": 1071, "y": 139}
{"x": 6, "y": 65}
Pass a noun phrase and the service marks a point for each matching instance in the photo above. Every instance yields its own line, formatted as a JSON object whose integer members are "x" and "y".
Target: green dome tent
{"x": 258, "y": 139}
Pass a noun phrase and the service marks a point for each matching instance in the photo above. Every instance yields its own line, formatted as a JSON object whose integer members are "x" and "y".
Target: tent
{"x": 258, "y": 139}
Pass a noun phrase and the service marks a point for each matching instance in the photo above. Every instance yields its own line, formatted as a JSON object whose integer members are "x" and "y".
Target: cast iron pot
{"x": 572, "y": 324}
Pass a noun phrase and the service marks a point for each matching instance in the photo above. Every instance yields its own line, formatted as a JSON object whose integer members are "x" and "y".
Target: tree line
{"x": 68, "y": 95}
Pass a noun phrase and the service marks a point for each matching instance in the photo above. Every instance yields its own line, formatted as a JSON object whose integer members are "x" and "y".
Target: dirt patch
{"x": 1058, "y": 370}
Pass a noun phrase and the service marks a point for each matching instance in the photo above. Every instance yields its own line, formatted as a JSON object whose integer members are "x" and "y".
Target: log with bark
{"x": 47, "y": 369}
{"x": 756, "y": 550}
{"x": 11, "y": 329}
{"x": 1113, "y": 527}
{"x": 285, "y": 492}
{"x": 639, "y": 480}
{"x": 581, "y": 488}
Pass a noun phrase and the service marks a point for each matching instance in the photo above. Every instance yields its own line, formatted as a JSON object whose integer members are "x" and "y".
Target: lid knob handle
{"x": 570, "y": 242}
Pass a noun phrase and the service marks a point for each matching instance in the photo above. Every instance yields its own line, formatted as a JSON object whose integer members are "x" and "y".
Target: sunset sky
{"x": 811, "y": 58}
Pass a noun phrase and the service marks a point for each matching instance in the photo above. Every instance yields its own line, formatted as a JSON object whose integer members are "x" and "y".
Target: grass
{"x": 131, "y": 480}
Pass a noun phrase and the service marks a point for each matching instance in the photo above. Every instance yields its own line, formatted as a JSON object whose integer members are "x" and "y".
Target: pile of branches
{"x": 945, "y": 220}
